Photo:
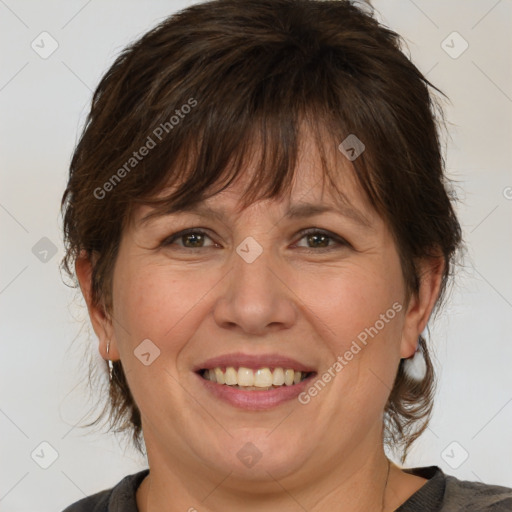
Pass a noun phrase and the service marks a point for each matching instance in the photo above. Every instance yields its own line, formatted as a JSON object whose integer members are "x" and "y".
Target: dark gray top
{"x": 442, "y": 493}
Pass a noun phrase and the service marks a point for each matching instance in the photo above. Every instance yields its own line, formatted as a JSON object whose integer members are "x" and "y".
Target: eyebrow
{"x": 296, "y": 211}
{"x": 303, "y": 210}
{"x": 197, "y": 209}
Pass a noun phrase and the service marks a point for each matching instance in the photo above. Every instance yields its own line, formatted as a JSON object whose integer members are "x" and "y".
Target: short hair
{"x": 218, "y": 80}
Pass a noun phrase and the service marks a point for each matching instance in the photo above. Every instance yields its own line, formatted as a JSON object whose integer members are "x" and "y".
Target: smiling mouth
{"x": 247, "y": 379}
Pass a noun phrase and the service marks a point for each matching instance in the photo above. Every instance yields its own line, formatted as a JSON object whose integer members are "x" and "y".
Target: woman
{"x": 259, "y": 223}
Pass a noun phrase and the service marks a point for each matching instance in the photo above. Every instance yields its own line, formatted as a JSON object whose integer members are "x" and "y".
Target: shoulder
{"x": 446, "y": 493}
{"x": 477, "y": 495}
{"x": 119, "y": 497}
{"x": 96, "y": 503}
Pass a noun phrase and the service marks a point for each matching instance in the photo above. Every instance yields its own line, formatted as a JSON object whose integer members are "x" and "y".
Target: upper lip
{"x": 254, "y": 362}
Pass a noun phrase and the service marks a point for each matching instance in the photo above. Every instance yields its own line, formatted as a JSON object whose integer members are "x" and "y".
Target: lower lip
{"x": 255, "y": 400}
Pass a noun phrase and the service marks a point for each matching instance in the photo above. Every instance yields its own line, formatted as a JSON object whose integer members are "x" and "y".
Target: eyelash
{"x": 311, "y": 231}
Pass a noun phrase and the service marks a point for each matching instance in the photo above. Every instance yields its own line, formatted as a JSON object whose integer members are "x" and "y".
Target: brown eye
{"x": 195, "y": 239}
{"x": 189, "y": 239}
{"x": 323, "y": 240}
{"x": 319, "y": 240}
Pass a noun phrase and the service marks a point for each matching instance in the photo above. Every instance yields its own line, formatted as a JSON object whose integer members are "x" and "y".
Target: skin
{"x": 294, "y": 299}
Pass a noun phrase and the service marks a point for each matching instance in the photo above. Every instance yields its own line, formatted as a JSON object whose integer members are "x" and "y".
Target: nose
{"x": 255, "y": 298}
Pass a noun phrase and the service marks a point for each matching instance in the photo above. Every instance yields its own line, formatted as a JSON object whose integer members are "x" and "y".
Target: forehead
{"x": 322, "y": 181}
{"x": 309, "y": 194}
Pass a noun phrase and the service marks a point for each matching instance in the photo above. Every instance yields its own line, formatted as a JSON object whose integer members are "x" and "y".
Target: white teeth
{"x": 263, "y": 378}
{"x": 231, "y": 376}
{"x": 219, "y": 376}
{"x": 278, "y": 377}
{"x": 245, "y": 377}
{"x": 248, "y": 379}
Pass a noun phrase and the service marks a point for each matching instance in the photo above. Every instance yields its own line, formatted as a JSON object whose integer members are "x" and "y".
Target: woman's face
{"x": 253, "y": 292}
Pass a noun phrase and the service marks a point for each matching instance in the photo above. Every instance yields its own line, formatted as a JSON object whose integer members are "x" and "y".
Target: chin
{"x": 260, "y": 455}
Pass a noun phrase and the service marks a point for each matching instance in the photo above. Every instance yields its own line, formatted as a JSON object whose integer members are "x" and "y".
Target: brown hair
{"x": 213, "y": 82}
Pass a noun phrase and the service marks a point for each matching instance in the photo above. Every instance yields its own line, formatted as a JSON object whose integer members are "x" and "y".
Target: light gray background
{"x": 44, "y": 340}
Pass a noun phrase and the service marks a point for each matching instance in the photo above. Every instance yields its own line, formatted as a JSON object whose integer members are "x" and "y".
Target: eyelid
{"x": 175, "y": 236}
{"x": 339, "y": 240}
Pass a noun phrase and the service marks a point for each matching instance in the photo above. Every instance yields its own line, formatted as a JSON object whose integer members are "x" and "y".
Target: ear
{"x": 101, "y": 322}
{"x": 421, "y": 304}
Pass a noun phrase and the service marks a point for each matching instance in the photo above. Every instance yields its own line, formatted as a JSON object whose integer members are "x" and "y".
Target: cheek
{"x": 359, "y": 312}
{"x": 348, "y": 301}
{"x": 160, "y": 303}
{"x": 166, "y": 306}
